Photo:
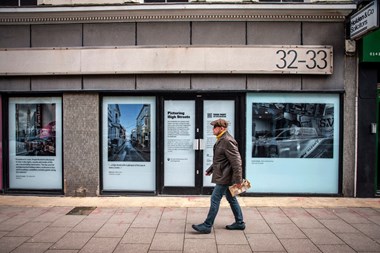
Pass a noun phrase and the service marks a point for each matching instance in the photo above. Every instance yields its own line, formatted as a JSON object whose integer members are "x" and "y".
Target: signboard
{"x": 297, "y": 59}
{"x": 371, "y": 47}
{"x": 364, "y": 21}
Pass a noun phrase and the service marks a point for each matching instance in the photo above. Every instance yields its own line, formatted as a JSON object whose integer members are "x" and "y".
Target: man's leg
{"x": 216, "y": 197}
{"x": 235, "y": 207}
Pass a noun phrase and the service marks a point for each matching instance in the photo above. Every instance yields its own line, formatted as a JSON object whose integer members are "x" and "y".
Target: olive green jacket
{"x": 226, "y": 167}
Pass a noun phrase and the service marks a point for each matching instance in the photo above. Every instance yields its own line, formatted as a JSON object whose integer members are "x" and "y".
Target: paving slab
{"x": 163, "y": 224}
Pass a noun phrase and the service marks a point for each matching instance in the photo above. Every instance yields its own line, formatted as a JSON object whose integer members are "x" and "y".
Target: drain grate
{"x": 81, "y": 210}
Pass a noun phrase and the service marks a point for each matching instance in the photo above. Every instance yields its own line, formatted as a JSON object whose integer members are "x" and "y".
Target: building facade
{"x": 120, "y": 96}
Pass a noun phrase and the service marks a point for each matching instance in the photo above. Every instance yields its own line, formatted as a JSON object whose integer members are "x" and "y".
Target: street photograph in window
{"x": 129, "y": 132}
{"x": 292, "y": 130}
{"x": 35, "y": 129}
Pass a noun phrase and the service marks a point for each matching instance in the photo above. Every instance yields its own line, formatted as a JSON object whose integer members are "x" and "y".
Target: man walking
{"x": 226, "y": 169}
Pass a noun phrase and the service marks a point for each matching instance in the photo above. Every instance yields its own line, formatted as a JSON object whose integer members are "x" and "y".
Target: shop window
{"x": 128, "y": 140}
{"x": 18, "y": 3}
{"x": 166, "y": 1}
{"x": 293, "y": 143}
{"x": 35, "y": 143}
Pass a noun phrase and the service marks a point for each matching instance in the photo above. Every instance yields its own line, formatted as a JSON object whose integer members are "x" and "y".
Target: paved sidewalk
{"x": 163, "y": 224}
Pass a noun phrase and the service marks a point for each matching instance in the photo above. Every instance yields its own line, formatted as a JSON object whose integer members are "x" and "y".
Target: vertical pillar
{"x": 81, "y": 144}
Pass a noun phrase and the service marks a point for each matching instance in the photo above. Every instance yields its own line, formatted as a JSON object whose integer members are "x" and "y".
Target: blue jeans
{"x": 216, "y": 197}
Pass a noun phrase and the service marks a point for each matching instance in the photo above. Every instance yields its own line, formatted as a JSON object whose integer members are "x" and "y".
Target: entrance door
{"x": 188, "y": 140}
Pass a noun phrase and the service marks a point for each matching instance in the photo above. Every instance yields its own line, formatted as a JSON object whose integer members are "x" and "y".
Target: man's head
{"x": 219, "y": 126}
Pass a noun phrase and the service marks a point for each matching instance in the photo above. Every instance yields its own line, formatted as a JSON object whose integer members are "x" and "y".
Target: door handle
{"x": 196, "y": 144}
{"x": 201, "y": 144}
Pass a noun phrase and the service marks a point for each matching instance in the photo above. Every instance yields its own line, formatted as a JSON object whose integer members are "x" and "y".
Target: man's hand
{"x": 208, "y": 173}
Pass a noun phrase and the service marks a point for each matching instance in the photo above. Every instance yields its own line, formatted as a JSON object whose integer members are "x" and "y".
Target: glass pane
{"x": 212, "y": 110}
{"x": 293, "y": 143}
{"x": 129, "y": 158}
{"x": 35, "y": 143}
{"x": 179, "y": 139}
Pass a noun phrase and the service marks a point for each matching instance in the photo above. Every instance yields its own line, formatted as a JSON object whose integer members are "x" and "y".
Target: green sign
{"x": 371, "y": 47}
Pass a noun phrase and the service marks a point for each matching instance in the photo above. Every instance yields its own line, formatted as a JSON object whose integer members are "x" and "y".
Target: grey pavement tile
{"x": 224, "y": 236}
{"x": 4, "y": 217}
{"x": 196, "y": 215}
{"x": 123, "y": 216}
{"x": 50, "y": 234}
{"x": 165, "y": 251}
{"x": 322, "y": 213}
{"x": 171, "y": 226}
{"x": 174, "y": 213}
{"x": 68, "y": 221}
{"x": 61, "y": 251}
{"x": 29, "y": 229}
{"x": 307, "y": 222}
{"x": 264, "y": 242}
{"x": 73, "y": 240}
{"x": 257, "y": 227}
{"x": 3, "y": 233}
{"x": 337, "y": 248}
{"x": 274, "y": 215}
{"x": 112, "y": 230}
{"x": 28, "y": 247}
{"x": 33, "y": 212}
{"x": 148, "y": 217}
{"x": 132, "y": 248}
{"x": 350, "y": 216}
{"x": 138, "y": 235}
{"x": 89, "y": 225}
{"x": 251, "y": 213}
{"x": 322, "y": 236}
{"x": 200, "y": 246}
{"x": 339, "y": 226}
{"x": 53, "y": 214}
{"x": 287, "y": 231}
{"x": 226, "y": 248}
{"x": 167, "y": 241}
{"x": 359, "y": 242}
{"x": 295, "y": 212}
{"x": 13, "y": 223}
{"x": 371, "y": 230}
{"x": 365, "y": 211}
{"x": 299, "y": 246}
{"x": 102, "y": 213}
{"x": 7, "y": 244}
{"x": 100, "y": 245}
{"x": 375, "y": 219}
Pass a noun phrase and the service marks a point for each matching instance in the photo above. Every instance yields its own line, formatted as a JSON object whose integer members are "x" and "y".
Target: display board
{"x": 129, "y": 143}
{"x": 35, "y": 143}
{"x": 293, "y": 143}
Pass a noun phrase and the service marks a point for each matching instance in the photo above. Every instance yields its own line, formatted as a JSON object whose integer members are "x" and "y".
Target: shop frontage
{"x": 124, "y": 107}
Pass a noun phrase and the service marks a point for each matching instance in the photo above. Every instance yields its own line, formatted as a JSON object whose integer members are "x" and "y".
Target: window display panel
{"x": 212, "y": 110}
{"x": 129, "y": 153}
{"x": 179, "y": 132}
{"x": 1, "y": 145}
{"x": 293, "y": 143}
{"x": 35, "y": 143}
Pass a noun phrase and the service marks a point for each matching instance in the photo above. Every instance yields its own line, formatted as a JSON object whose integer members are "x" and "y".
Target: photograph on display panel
{"x": 129, "y": 132}
{"x": 292, "y": 130}
{"x": 35, "y": 130}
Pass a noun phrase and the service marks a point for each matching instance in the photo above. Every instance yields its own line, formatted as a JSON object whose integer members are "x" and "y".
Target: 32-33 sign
{"x": 304, "y": 60}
